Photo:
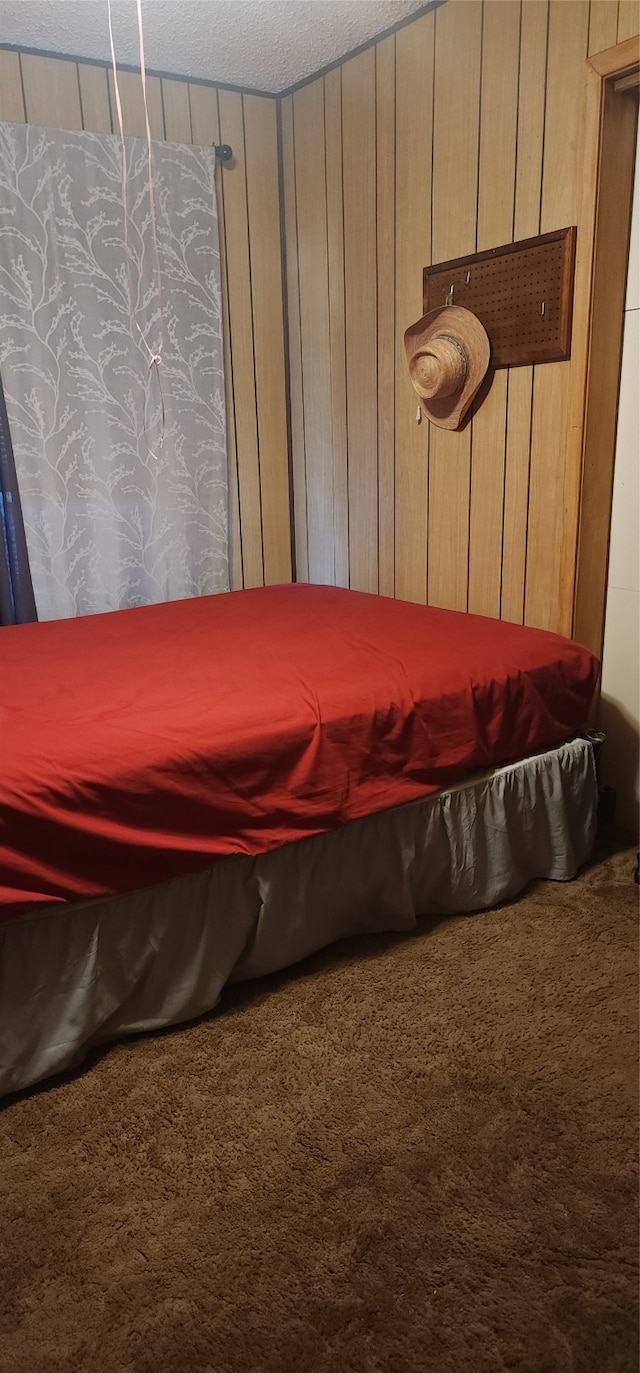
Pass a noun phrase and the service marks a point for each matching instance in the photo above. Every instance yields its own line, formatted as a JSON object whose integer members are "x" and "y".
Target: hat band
{"x": 462, "y": 354}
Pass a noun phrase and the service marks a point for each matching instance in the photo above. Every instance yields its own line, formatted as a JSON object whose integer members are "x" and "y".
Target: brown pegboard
{"x": 522, "y": 293}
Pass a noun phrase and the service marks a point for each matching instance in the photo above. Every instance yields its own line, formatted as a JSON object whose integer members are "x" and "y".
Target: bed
{"x": 208, "y": 790}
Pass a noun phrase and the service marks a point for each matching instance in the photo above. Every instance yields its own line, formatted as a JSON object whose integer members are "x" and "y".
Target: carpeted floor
{"x": 410, "y": 1154}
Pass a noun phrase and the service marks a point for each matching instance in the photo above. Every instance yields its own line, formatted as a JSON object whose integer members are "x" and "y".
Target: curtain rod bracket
{"x": 223, "y": 152}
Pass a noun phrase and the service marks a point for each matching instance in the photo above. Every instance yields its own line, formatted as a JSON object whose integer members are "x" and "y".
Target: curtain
{"x": 121, "y": 466}
{"x": 17, "y": 604}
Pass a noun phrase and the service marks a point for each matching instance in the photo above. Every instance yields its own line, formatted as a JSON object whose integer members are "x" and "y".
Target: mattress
{"x": 144, "y": 744}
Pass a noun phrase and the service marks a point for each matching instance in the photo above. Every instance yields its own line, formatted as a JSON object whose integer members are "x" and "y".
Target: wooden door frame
{"x": 610, "y": 132}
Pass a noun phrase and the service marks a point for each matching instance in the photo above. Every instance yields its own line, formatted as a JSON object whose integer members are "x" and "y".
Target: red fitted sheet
{"x": 140, "y": 745}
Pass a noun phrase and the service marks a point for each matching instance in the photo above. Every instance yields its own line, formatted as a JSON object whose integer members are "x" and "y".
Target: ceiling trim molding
{"x": 128, "y": 67}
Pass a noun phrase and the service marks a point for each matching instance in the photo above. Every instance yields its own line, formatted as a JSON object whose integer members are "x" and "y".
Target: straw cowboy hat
{"x": 448, "y": 355}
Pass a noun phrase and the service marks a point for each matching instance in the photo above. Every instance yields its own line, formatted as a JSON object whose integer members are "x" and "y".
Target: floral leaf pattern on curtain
{"x": 119, "y": 509}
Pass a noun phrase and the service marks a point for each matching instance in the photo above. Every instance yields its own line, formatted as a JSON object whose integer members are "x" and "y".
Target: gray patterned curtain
{"x": 121, "y": 506}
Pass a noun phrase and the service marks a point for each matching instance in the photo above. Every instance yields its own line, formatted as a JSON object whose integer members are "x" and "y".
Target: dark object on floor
{"x": 636, "y": 875}
{"x": 410, "y": 1155}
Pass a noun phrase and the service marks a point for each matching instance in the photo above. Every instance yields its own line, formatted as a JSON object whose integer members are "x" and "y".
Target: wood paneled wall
{"x": 74, "y": 95}
{"x": 460, "y": 132}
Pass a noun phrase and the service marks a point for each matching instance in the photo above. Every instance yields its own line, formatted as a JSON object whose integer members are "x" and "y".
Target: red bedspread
{"x": 139, "y": 745}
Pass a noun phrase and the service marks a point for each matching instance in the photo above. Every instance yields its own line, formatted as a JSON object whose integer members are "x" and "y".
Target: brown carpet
{"x": 410, "y": 1154}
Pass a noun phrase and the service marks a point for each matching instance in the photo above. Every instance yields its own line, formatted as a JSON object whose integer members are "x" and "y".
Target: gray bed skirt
{"x": 78, "y": 975}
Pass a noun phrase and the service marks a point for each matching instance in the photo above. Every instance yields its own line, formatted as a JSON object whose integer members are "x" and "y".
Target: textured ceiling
{"x": 265, "y": 44}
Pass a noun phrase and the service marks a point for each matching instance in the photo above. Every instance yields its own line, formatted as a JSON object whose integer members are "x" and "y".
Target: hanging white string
{"x": 154, "y": 357}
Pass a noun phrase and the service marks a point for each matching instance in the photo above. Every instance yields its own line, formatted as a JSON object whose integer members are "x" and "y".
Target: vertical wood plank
{"x": 531, "y": 105}
{"x": 516, "y": 493}
{"x": 203, "y": 106}
{"x": 337, "y": 323}
{"x": 298, "y": 465}
{"x": 94, "y": 96}
{"x": 550, "y": 568}
{"x": 603, "y": 25}
{"x": 133, "y": 118}
{"x": 51, "y": 91}
{"x": 455, "y": 179}
{"x": 177, "y": 111}
{"x": 205, "y": 130}
{"x": 496, "y": 189}
{"x": 562, "y": 172}
{"x": 628, "y": 19}
{"x": 499, "y": 111}
{"x": 385, "y": 176}
{"x": 263, "y": 200}
{"x": 528, "y": 191}
{"x": 11, "y": 102}
{"x": 308, "y": 114}
{"x": 488, "y": 452}
{"x": 456, "y": 128}
{"x": 241, "y": 340}
{"x": 414, "y": 134}
{"x": 546, "y": 481}
{"x": 359, "y": 153}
